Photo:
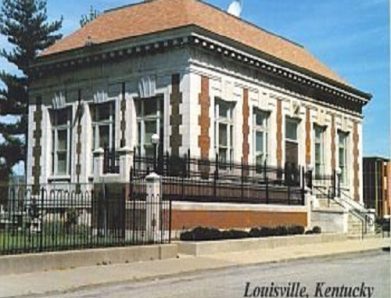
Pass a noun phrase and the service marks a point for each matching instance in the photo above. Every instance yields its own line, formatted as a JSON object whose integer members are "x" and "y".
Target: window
{"x": 260, "y": 119}
{"x": 291, "y": 143}
{"x": 342, "y": 155}
{"x": 103, "y": 125}
{"x": 319, "y": 149}
{"x": 291, "y": 129}
{"x": 224, "y": 131}
{"x": 61, "y": 121}
{"x": 150, "y": 116}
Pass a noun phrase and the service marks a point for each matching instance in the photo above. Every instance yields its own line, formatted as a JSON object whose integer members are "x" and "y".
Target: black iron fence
{"x": 69, "y": 216}
{"x": 327, "y": 186}
{"x": 200, "y": 180}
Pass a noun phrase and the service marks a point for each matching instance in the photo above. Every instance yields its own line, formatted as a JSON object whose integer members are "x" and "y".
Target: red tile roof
{"x": 159, "y": 15}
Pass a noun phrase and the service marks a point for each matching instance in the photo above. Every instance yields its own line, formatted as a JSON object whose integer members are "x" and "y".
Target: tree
{"x": 24, "y": 23}
{"x": 86, "y": 18}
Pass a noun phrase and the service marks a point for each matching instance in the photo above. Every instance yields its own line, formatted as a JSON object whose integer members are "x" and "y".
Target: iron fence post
{"x": 41, "y": 213}
{"x": 170, "y": 221}
{"x": 265, "y": 169}
{"x": 267, "y": 189}
{"x": 309, "y": 178}
{"x": 302, "y": 186}
{"x": 188, "y": 163}
{"x": 241, "y": 182}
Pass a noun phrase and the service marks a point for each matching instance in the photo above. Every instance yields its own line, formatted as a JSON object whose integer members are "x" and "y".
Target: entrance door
{"x": 291, "y": 153}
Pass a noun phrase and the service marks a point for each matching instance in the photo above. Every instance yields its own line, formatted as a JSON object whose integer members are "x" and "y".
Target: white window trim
{"x": 345, "y": 169}
{"x": 260, "y": 128}
{"x": 229, "y": 121}
{"x": 107, "y": 122}
{"x": 54, "y": 152}
{"x": 297, "y": 122}
{"x": 322, "y": 130}
{"x": 95, "y": 128}
{"x": 142, "y": 119}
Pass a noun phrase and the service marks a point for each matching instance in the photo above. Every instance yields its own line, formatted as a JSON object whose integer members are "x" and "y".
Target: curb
{"x": 195, "y": 271}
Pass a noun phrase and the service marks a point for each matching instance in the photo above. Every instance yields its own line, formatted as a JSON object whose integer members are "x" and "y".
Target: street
{"x": 363, "y": 275}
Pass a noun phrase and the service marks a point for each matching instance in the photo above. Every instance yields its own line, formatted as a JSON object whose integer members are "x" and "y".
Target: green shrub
{"x": 201, "y": 234}
{"x": 316, "y": 230}
{"x": 204, "y": 234}
{"x": 255, "y": 233}
{"x": 266, "y": 232}
{"x": 280, "y": 231}
{"x": 234, "y": 234}
{"x": 295, "y": 230}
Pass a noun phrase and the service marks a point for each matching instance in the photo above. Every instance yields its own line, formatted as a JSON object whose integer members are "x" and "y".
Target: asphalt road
{"x": 367, "y": 275}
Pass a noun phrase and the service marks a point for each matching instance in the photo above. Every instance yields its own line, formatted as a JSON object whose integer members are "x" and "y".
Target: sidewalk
{"x": 68, "y": 280}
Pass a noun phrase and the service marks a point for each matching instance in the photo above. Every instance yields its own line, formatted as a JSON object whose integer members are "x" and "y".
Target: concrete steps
{"x": 328, "y": 204}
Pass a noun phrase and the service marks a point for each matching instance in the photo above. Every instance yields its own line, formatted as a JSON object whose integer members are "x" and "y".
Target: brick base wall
{"x": 187, "y": 219}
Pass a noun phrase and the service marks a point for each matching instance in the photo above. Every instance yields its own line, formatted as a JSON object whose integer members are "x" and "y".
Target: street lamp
{"x": 339, "y": 173}
{"x": 155, "y": 141}
{"x": 310, "y": 168}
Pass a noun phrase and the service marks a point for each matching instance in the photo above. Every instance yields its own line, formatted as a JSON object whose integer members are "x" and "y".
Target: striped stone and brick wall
{"x": 176, "y": 116}
{"x": 204, "y": 118}
{"x": 245, "y": 128}
{"x": 37, "y": 149}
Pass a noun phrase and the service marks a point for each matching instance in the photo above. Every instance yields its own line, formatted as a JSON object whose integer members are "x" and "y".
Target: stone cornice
{"x": 290, "y": 76}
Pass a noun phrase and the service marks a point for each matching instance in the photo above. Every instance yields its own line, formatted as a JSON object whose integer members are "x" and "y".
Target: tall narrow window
{"x": 291, "y": 142}
{"x": 260, "y": 139}
{"x": 61, "y": 121}
{"x": 103, "y": 125}
{"x": 342, "y": 155}
{"x": 319, "y": 149}
{"x": 224, "y": 132}
{"x": 150, "y": 117}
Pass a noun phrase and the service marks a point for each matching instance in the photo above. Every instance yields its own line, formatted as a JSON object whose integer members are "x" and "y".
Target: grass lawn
{"x": 20, "y": 242}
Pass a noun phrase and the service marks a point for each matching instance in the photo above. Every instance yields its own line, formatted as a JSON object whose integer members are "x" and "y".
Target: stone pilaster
{"x": 176, "y": 116}
{"x": 308, "y": 133}
{"x": 356, "y": 164}
{"x": 333, "y": 149}
{"x": 79, "y": 114}
{"x": 279, "y": 134}
{"x": 245, "y": 128}
{"x": 123, "y": 116}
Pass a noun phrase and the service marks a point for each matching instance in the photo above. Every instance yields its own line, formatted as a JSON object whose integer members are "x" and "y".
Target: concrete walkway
{"x": 68, "y": 280}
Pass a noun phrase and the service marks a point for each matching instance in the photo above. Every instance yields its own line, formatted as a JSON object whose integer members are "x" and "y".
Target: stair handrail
{"x": 356, "y": 208}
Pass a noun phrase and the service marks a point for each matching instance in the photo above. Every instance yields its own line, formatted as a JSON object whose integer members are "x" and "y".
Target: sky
{"x": 352, "y": 37}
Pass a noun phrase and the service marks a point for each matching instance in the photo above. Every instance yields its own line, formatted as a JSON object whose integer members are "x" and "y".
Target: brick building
{"x": 377, "y": 185}
{"x": 200, "y": 78}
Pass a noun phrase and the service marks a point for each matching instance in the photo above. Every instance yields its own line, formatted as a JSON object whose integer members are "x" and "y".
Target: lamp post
{"x": 155, "y": 141}
{"x": 310, "y": 168}
{"x": 339, "y": 172}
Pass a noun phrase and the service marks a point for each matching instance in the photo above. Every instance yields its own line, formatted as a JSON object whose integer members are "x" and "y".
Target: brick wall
{"x": 187, "y": 219}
